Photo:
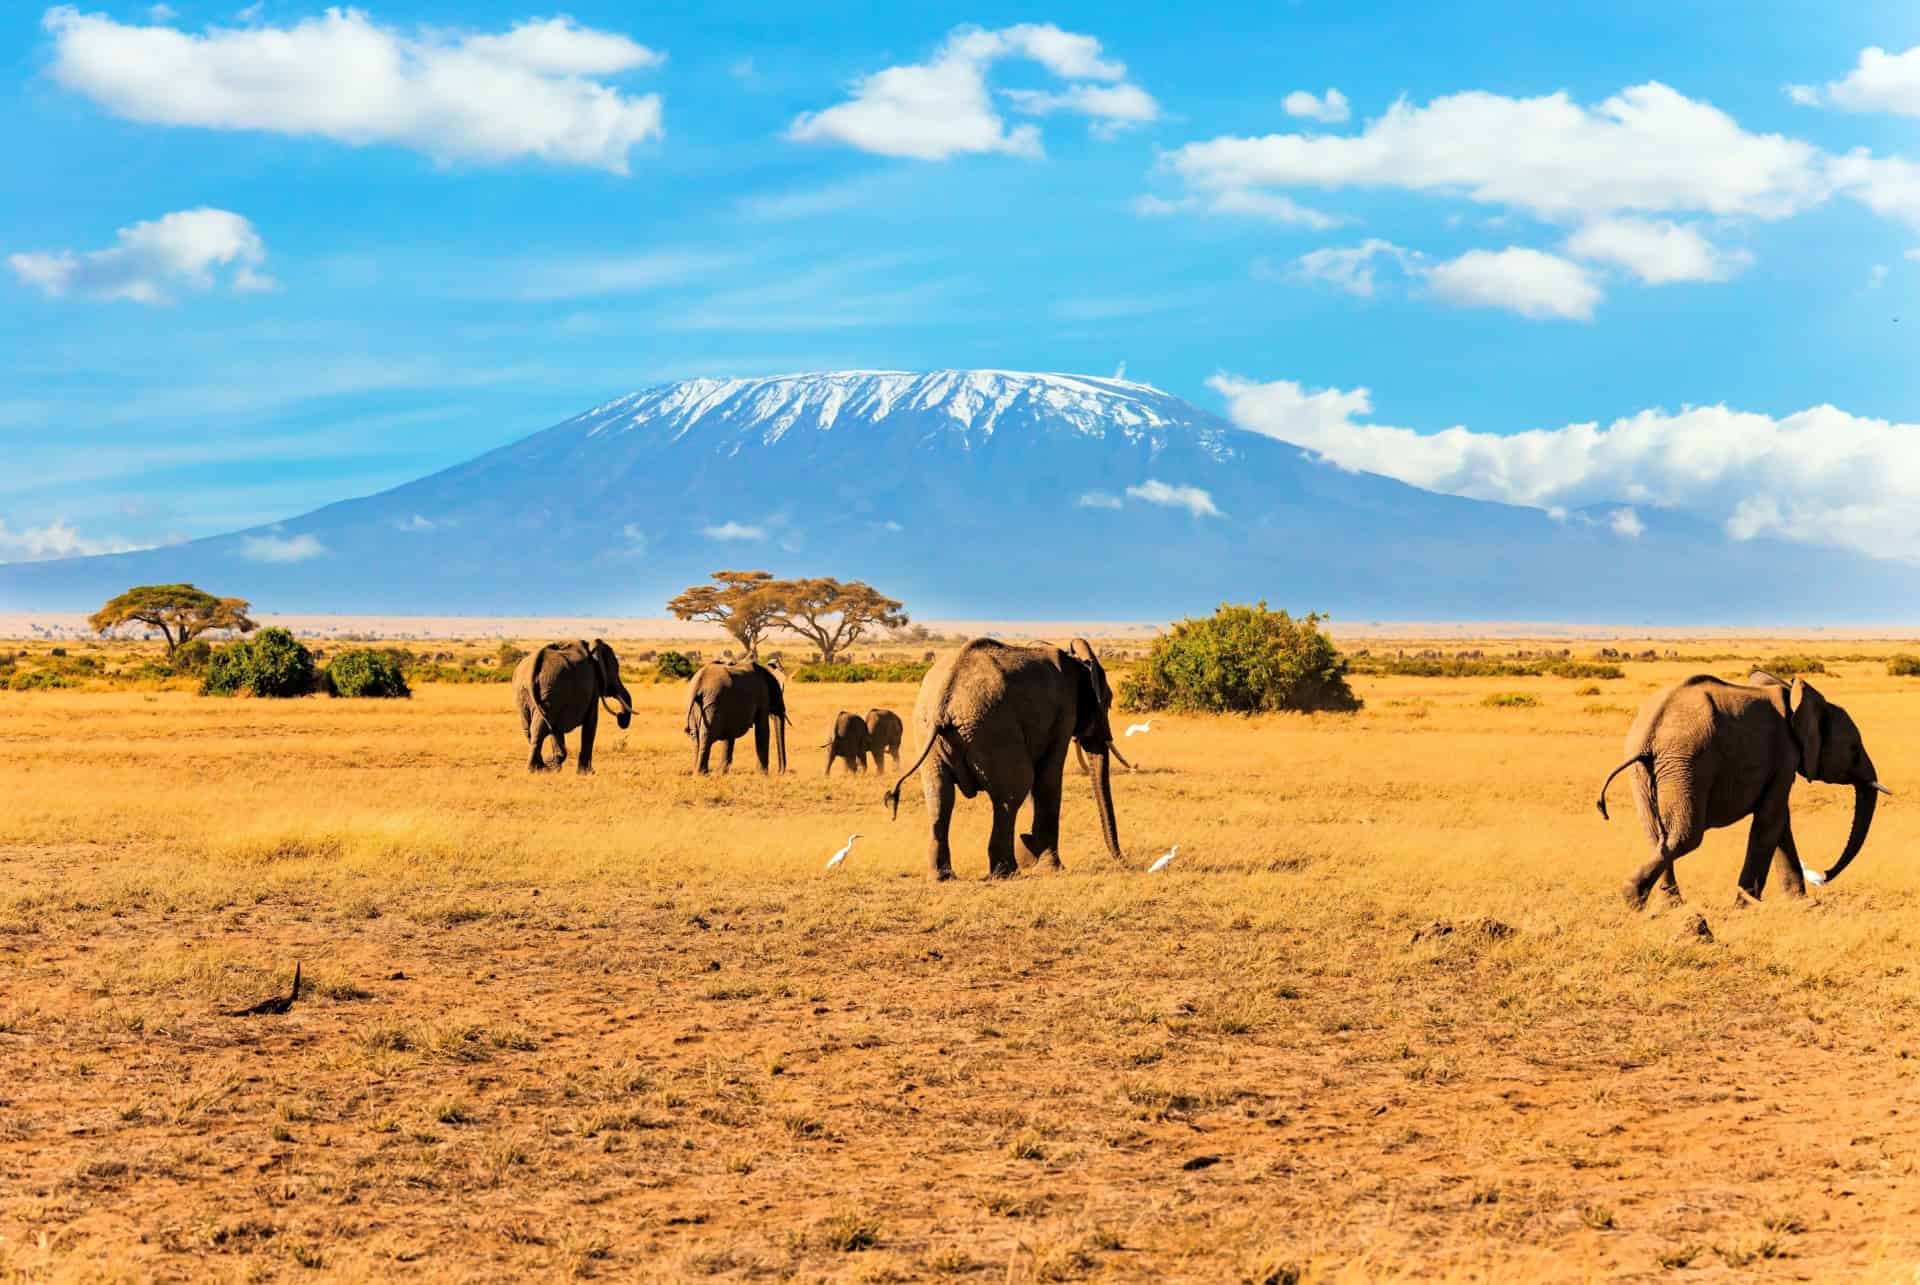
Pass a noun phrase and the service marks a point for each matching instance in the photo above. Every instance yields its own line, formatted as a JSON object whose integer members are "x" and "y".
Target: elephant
{"x": 885, "y": 730}
{"x": 850, "y": 742}
{"x": 999, "y": 718}
{"x": 725, "y": 701}
{"x": 1714, "y": 752}
{"x": 562, "y": 686}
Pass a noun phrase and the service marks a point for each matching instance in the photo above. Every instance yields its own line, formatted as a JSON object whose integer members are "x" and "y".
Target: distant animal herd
{"x": 998, "y": 719}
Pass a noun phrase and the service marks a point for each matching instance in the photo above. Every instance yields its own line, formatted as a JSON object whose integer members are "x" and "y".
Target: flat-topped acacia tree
{"x": 741, "y": 602}
{"x": 179, "y": 611}
{"x": 807, "y": 606}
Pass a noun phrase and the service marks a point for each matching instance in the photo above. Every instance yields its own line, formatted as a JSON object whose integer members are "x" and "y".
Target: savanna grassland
{"x": 1384, "y": 1017}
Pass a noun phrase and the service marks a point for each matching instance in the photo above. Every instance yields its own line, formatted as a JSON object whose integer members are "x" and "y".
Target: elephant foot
{"x": 536, "y": 766}
{"x": 585, "y": 769}
{"x": 1003, "y": 872}
{"x": 942, "y": 874}
{"x": 1630, "y": 893}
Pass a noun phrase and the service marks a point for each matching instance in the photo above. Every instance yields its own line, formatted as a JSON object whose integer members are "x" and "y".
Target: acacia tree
{"x": 179, "y": 611}
{"x": 854, "y": 608}
{"x": 743, "y": 603}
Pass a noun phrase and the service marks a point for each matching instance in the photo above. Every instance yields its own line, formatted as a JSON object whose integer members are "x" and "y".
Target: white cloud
{"x": 1351, "y": 268}
{"x": 734, "y": 531}
{"x": 1647, "y": 149}
{"x": 1819, "y": 476}
{"x": 1099, "y": 500}
{"x": 163, "y": 13}
{"x": 943, "y": 107}
{"x": 636, "y": 539}
{"x": 1532, "y": 283}
{"x": 1537, "y": 285}
{"x": 1191, "y": 498}
{"x": 415, "y": 523}
{"x": 1626, "y": 524}
{"x": 1805, "y": 95}
{"x": 1656, "y": 251}
{"x": 181, "y": 249}
{"x": 274, "y": 548}
{"x": 1879, "y": 82}
{"x": 1270, "y": 206}
{"x": 1887, "y": 185}
{"x": 56, "y": 540}
{"x": 529, "y": 92}
{"x": 1331, "y": 108}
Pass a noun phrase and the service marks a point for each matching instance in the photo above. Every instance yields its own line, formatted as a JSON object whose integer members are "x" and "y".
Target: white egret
{"x": 1165, "y": 861}
{"x": 1140, "y": 727}
{"x": 841, "y": 855}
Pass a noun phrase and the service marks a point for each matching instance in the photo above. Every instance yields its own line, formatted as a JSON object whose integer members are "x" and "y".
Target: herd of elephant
{"x": 998, "y": 719}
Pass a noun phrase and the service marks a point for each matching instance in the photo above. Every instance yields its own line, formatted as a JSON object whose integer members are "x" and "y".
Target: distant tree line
{"x": 832, "y": 615}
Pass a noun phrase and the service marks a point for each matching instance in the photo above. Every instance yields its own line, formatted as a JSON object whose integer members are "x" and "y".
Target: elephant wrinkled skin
{"x": 999, "y": 718}
{"x": 562, "y": 686}
{"x": 725, "y": 702}
{"x": 1707, "y": 753}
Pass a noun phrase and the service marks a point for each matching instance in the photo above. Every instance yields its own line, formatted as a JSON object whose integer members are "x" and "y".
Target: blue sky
{"x": 383, "y": 274}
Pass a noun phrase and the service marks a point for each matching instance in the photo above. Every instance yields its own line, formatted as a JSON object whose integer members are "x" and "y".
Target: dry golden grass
{"x": 628, "y": 1026}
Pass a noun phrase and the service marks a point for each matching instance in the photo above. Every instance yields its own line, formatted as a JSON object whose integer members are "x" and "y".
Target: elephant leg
{"x": 830, "y": 757}
{"x": 1044, "y": 843}
{"x": 1000, "y": 859}
{"x": 703, "y": 754}
{"x": 587, "y": 730}
{"x": 559, "y": 750}
{"x": 937, "y": 784}
{"x": 1763, "y": 842}
{"x": 538, "y": 736}
{"x": 1786, "y": 864}
{"x": 726, "y": 755}
{"x": 1681, "y": 839}
{"x": 761, "y": 728}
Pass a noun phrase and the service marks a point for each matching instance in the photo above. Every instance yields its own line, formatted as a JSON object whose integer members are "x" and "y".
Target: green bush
{"x": 1903, "y": 666}
{"x": 1241, "y": 659}
{"x": 673, "y": 664}
{"x": 508, "y": 656}
{"x": 1510, "y": 700}
{"x": 271, "y": 663}
{"x": 1463, "y": 667}
{"x": 1787, "y": 666}
{"x": 899, "y": 671}
{"x": 39, "y": 680}
{"x": 366, "y": 672}
{"x": 191, "y": 657}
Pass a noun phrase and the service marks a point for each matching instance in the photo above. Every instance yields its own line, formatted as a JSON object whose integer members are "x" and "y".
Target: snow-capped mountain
{"x": 975, "y": 493}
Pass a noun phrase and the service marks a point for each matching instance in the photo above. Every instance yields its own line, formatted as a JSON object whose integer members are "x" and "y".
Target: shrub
{"x": 39, "y": 680}
{"x": 509, "y": 655}
{"x": 1903, "y": 666}
{"x": 1471, "y": 667}
{"x": 191, "y": 657}
{"x": 365, "y": 672}
{"x": 1787, "y": 666}
{"x": 1510, "y": 700}
{"x": 1241, "y": 659}
{"x": 673, "y": 664}
{"x": 271, "y": 663}
{"x": 899, "y": 671}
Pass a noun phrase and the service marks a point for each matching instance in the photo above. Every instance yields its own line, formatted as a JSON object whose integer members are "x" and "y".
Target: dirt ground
{"x": 1384, "y": 1017}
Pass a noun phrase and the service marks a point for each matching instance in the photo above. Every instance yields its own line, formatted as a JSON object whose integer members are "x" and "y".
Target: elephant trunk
{"x": 1103, "y": 800}
{"x": 1865, "y": 799}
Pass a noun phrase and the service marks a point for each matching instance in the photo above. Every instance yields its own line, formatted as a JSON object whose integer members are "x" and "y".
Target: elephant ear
{"x": 1761, "y": 678}
{"x": 776, "y": 693}
{"x": 1090, "y": 715}
{"x": 1809, "y": 721}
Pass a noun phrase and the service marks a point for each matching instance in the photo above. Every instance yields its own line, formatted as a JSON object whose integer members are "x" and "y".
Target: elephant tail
{"x": 1644, "y": 757}
{"x": 892, "y": 797}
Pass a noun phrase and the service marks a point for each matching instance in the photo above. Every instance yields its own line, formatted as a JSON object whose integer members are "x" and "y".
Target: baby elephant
{"x": 1707, "y": 753}
{"x": 850, "y": 739}
{"x": 884, "y": 728}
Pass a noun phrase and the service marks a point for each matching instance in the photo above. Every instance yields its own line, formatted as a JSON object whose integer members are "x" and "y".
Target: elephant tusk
{"x": 1814, "y": 877}
{"x": 1883, "y": 789}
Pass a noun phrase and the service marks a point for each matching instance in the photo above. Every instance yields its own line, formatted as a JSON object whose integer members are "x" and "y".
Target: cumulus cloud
{"x": 734, "y": 531}
{"x": 944, "y": 107}
{"x": 1648, "y": 149}
{"x": 1626, "y": 524}
{"x": 535, "y": 91}
{"x": 1537, "y": 285}
{"x": 56, "y": 540}
{"x": 1532, "y": 283}
{"x": 1819, "y": 476}
{"x": 1191, "y": 498}
{"x": 178, "y": 250}
{"x": 1330, "y": 108}
{"x": 274, "y": 548}
{"x": 1656, "y": 251}
{"x": 1879, "y": 82}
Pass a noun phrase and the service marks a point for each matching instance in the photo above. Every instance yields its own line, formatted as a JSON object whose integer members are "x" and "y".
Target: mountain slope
{"x": 968, "y": 493}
